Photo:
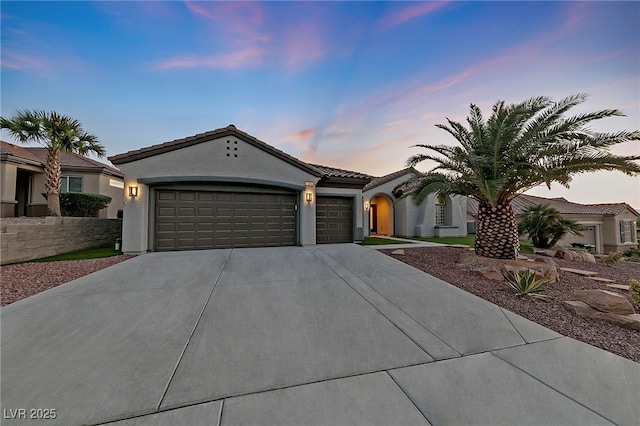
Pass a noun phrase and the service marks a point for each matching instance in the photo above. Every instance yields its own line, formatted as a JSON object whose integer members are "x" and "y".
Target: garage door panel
{"x": 334, "y": 220}
{"x": 187, "y": 220}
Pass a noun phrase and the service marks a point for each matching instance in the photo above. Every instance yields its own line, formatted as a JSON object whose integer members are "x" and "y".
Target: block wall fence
{"x": 23, "y": 239}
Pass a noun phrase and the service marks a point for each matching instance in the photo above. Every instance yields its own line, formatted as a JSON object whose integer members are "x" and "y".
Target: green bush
{"x": 633, "y": 254}
{"x": 634, "y": 291}
{"x": 526, "y": 284}
{"x": 81, "y": 204}
{"x": 612, "y": 258}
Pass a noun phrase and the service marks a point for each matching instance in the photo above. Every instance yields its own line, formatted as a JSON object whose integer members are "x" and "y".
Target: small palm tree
{"x": 545, "y": 225}
{"x": 519, "y": 147}
{"x": 57, "y": 133}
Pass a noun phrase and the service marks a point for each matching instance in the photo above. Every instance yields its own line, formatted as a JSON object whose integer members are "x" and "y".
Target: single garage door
{"x": 192, "y": 220}
{"x": 334, "y": 220}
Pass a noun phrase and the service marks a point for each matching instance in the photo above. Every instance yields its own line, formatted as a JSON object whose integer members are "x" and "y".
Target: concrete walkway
{"x": 336, "y": 334}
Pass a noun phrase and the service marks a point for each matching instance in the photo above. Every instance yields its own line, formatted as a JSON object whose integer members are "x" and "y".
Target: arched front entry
{"x": 381, "y": 215}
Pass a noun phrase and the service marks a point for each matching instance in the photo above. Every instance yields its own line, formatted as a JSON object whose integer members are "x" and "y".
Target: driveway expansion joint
{"x": 193, "y": 330}
{"x": 549, "y": 386}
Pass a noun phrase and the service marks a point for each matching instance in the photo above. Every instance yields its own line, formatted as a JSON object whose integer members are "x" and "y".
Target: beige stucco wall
{"x": 611, "y": 232}
{"x": 208, "y": 160}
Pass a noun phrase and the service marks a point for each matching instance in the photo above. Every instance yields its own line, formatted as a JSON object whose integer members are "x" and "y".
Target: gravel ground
{"x": 26, "y": 279}
{"x": 459, "y": 267}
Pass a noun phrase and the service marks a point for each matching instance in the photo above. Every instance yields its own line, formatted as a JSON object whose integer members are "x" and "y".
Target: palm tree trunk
{"x": 497, "y": 233}
{"x": 52, "y": 176}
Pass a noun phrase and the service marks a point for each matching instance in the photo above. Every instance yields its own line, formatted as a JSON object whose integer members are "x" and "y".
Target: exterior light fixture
{"x": 308, "y": 183}
{"x": 366, "y": 206}
{"x": 308, "y": 197}
{"x": 133, "y": 191}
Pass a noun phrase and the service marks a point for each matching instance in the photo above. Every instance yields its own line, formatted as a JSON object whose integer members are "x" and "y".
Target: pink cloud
{"x": 241, "y": 20}
{"x": 301, "y": 135}
{"x": 411, "y": 12}
{"x": 247, "y": 58}
{"x": 23, "y": 62}
{"x": 302, "y": 45}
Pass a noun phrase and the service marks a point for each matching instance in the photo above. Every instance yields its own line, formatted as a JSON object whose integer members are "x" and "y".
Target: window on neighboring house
{"x": 627, "y": 231}
{"x": 441, "y": 214}
{"x": 70, "y": 184}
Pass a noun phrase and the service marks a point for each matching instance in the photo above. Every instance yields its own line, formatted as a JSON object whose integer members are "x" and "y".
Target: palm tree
{"x": 545, "y": 225}
{"x": 519, "y": 147}
{"x": 57, "y": 133}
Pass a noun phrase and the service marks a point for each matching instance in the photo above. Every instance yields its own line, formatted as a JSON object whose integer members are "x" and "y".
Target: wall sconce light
{"x": 308, "y": 183}
{"x": 308, "y": 196}
{"x": 366, "y": 206}
{"x": 133, "y": 191}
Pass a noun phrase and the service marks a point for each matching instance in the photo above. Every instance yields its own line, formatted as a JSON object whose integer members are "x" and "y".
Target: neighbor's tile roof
{"x": 563, "y": 206}
{"x": 230, "y": 130}
{"x": 38, "y": 156}
{"x": 10, "y": 150}
{"x": 375, "y": 182}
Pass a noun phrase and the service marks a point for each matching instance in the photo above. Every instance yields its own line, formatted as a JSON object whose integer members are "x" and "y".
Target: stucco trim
{"x": 218, "y": 179}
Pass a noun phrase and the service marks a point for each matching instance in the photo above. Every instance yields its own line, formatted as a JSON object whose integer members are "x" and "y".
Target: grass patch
{"x": 525, "y": 246}
{"x": 94, "y": 253}
{"x": 375, "y": 241}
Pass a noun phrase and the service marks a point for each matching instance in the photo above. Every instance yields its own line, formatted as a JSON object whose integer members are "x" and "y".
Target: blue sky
{"x": 346, "y": 84}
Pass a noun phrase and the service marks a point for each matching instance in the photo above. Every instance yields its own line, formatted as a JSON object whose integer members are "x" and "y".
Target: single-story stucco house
{"x": 225, "y": 188}
{"x": 607, "y": 227}
{"x": 22, "y": 192}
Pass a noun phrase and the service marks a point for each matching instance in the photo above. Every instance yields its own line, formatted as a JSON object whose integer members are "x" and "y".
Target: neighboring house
{"x": 607, "y": 227}
{"x": 225, "y": 188}
{"x": 22, "y": 191}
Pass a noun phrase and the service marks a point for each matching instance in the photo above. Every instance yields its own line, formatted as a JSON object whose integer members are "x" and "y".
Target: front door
{"x": 374, "y": 219}
{"x": 23, "y": 192}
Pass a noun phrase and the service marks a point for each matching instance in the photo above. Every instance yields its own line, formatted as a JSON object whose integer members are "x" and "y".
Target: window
{"x": 441, "y": 214}
{"x": 70, "y": 184}
{"x": 627, "y": 231}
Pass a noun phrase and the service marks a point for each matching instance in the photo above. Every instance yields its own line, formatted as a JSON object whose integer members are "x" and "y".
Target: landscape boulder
{"x": 581, "y": 309}
{"x": 545, "y": 252}
{"x": 605, "y": 301}
{"x": 492, "y": 273}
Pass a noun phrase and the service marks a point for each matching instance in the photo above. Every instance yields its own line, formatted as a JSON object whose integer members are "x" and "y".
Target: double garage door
{"x": 193, "y": 220}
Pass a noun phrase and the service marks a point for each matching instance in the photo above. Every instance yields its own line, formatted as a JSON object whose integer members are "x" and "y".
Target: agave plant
{"x": 526, "y": 283}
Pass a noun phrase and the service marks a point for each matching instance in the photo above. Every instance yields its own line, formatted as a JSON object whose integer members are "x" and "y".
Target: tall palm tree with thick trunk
{"x": 520, "y": 146}
{"x": 57, "y": 133}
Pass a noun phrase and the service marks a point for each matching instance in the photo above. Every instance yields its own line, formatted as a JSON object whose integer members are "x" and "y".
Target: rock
{"x": 549, "y": 269}
{"x": 399, "y": 251}
{"x": 545, "y": 252}
{"x": 492, "y": 273}
{"x": 584, "y": 256}
{"x": 580, "y": 272}
{"x": 581, "y": 309}
{"x": 565, "y": 254}
{"x": 605, "y": 301}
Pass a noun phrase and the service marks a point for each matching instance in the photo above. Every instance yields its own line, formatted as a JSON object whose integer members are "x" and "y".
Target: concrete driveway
{"x": 336, "y": 334}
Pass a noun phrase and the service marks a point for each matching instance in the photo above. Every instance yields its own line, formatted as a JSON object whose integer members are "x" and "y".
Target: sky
{"x": 353, "y": 85}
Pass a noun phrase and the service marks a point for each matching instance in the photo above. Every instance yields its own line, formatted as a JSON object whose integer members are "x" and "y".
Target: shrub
{"x": 633, "y": 254}
{"x": 81, "y": 204}
{"x": 526, "y": 284}
{"x": 612, "y": 258}
{"x": 634, "y": 291}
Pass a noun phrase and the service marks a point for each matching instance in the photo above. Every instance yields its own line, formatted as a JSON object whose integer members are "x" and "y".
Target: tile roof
{"x": 38, "y": 156}
{"x": 230, "y": 130}
{"x": 340, "y": 173}
{"x": 10, "y": 150}
{"x": 377, "y": 181}
{"x": 563, "y": 206}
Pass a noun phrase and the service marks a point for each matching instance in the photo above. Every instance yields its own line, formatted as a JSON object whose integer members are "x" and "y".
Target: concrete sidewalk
{"x": 335, "y": 334}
